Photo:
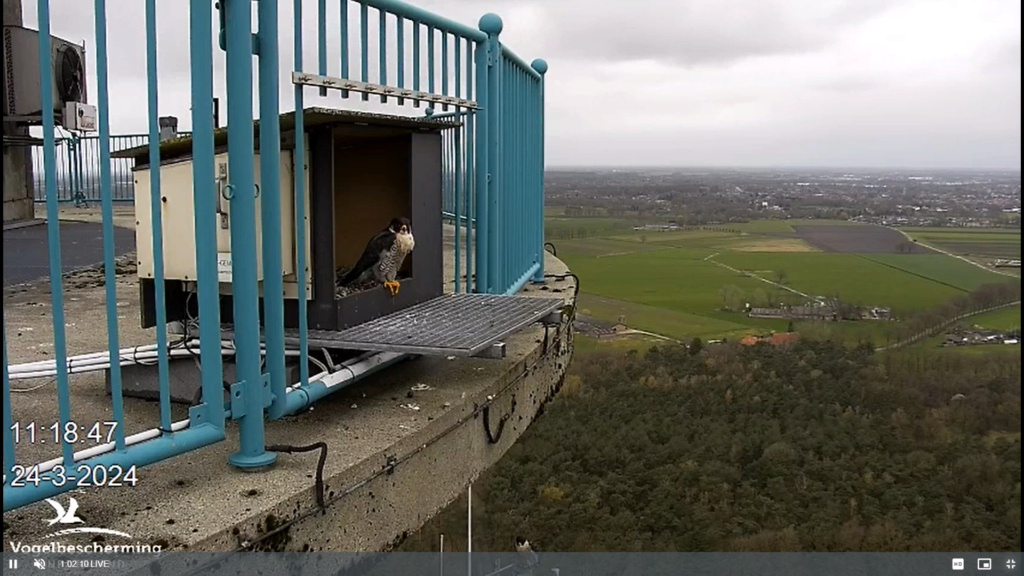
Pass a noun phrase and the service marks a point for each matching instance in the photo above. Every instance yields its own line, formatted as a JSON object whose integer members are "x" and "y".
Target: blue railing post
{"x": 483, "y": 55}
{"x": 241, "y": 192}
{"x": 205, "y": 221}
{"x": 299, "y": 186}
{"x": 270, "y": 203}
{"x": 8, "y": 433}
{"x": 53, "y": 235}
{"x": 541, "y": 67}
{"x": 489, "y": 177}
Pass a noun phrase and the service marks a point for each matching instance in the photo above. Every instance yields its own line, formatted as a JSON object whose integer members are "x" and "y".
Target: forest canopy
{"x": 813, "y": 447}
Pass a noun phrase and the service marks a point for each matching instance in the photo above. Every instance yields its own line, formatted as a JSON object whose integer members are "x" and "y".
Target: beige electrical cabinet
{"x": 177, "y": 219}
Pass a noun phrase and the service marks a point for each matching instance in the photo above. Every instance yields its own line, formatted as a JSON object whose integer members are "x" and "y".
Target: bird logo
{"x": 68, "y": 516}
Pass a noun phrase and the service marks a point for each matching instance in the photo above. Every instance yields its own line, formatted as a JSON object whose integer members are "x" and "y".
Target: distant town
{"x": 668, "y": 198}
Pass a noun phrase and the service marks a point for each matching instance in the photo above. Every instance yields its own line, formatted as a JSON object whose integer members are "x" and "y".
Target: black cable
{"x": 319, "y": 481}
{"x": 493, "y": 439}
{"x": 391, "y": 464}
{"x": 554, "y": 252}
{"x": 575, "y": 292}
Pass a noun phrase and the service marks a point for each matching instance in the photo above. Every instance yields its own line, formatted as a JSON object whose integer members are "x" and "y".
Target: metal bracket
{"x": 238, "y": 396}
{"x": 237, "y": 400}
{"x": 268, "y": 395}
{"x": 553, "y": 318}
{"x": 324, "y": 82}
{"x": 222, "y": 35}
{"x": 221, "y": 181}
{"x": 495, "y": 351}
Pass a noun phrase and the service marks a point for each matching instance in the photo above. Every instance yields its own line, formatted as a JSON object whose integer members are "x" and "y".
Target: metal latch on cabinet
{"x": 222, "y": 188}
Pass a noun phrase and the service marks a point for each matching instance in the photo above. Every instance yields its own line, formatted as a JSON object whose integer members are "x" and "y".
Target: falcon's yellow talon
{"x": 392, "y": 287}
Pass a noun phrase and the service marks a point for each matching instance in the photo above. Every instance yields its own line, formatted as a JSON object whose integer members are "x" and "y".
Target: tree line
{"x": 813, "y": 447}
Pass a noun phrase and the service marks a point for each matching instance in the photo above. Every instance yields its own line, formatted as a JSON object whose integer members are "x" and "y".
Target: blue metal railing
{"x": 492, "y": 194}
{"x": 121, "y": 454}
{"x": 79, "y": 167}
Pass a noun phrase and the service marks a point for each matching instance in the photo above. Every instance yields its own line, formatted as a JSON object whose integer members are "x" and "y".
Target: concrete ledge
{"x": 402, "y": 444}
{"x": 22, "y": 224}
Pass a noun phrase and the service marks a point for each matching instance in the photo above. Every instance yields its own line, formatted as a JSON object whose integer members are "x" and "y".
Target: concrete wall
{"x": 17, "y": 165}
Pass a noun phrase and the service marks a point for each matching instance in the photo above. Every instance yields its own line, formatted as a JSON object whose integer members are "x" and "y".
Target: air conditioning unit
{"x": 66, "y": 63}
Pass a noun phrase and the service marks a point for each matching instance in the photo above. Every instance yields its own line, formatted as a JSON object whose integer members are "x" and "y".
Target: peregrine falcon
{"x": 383, "y": 256}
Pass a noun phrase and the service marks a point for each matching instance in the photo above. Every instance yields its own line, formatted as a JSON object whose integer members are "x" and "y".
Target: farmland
{"x": 859, "y": 240}
{"x": 980, "y": 243}
{"x": 695, "y": 281}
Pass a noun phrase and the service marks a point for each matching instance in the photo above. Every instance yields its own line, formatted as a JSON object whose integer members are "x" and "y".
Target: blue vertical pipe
{"x": 156, "y": 218}
{"x": 514, "y": 238}
{"x": 400, "y": 44}
{"x": 444, "y": 67}
{"x": 364, "y": 47}
{"x": 481, "y": 204}
{"x": 430, "y": 59}
{"x": 53, "y": 233}
{"x": 78, "y": 168}
{"x": 109, "y": 275}
{"x": 205, "y": 221}
{"x": 458, "y": 202}
{"x": 241, "y": 183}
{"x": 511, "y": 222}
{"x": 458, "y": 165}
{"x": 383, "y": 50}
{"x": 299, "y": 161}
{"x": 270, "y": 202}
{"x": 417, "y": 60}
{"x": 69, "y": 154}
{"x": 8, "y": 433}
{"x": 505, "y": 190}
{"x": 541, "y": 67}
{"x": 343, "y": 27}
{"x": 321, "y": 39}
{"x": 470, "y": 182}
{"x": 491, "y": 24}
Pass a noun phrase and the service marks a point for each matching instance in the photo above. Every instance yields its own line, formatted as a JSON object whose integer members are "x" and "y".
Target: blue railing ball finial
{"x": 491, "y": 24}
{"x": 429, "y": 111}
{"x": 540, "y": 65}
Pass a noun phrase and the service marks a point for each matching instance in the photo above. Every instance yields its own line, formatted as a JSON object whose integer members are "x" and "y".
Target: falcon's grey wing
{"x": 381, "y": 242}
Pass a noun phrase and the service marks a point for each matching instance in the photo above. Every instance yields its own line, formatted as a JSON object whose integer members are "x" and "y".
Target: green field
{"x": 977, "y": 242}
{"x": 851, "y": 277}
{"x": 1002, "y": 319}
{"x": 941, "y": 268}
{"x": 673, "y": 283}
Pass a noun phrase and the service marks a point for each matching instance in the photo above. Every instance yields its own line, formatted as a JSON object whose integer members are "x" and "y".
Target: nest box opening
{"x": 362, "y": 175}
{"x": 371, "y": 187}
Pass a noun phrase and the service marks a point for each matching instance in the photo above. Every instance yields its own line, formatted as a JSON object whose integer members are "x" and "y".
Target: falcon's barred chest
{"x": 391, "y": 260}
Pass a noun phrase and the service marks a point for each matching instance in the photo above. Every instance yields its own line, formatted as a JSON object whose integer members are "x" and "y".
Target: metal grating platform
{"x": 450, "y": 325}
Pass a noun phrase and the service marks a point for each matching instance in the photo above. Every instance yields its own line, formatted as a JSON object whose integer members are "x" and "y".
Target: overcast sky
{"x": 839, "y": 83}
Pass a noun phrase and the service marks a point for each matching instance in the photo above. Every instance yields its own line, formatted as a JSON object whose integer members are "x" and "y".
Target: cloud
{"x": 697, "y": 32}
{"x": 747, "y": 82}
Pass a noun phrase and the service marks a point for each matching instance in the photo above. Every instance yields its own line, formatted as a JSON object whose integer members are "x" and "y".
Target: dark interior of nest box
{"x": 362, "y": 176}
{"x": 371, "y": 186}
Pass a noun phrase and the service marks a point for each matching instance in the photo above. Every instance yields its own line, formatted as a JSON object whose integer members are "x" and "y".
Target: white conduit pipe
{"x": 354, "y": 367}
{"x": 79, "y": 365}
{"x": 74, "y": 361}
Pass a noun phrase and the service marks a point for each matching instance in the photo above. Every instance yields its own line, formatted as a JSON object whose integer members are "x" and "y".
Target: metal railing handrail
{"x": 492, "y": 191}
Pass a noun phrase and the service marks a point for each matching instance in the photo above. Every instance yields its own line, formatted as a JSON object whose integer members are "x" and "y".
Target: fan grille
{"x": 69, "y": 75}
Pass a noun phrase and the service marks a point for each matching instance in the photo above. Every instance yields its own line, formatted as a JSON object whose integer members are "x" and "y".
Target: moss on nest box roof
{"x": 180, "y": 147}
